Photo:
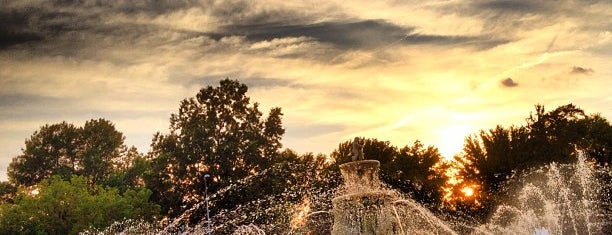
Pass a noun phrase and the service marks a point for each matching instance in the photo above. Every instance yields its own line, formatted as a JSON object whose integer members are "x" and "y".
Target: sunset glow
{"x": 467, "y": 191}
{"x": 452, "y": 137}
{"x": 432, "y": 71}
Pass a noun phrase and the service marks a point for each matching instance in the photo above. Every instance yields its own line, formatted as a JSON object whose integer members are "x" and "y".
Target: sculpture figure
{"x": 357, "y": 149}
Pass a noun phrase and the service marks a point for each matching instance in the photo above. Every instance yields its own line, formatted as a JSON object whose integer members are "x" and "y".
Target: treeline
{"x": 69, "y": 179}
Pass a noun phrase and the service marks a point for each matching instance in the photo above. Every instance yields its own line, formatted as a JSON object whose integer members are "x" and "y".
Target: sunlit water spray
{"x": 556, "y": 199}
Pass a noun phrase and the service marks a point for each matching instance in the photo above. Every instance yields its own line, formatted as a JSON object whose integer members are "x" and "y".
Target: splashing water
{"x": 556, "y": 199}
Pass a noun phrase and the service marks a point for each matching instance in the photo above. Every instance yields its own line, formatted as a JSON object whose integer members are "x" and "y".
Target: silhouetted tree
{"x": 220, "y": 133}
{"x": 494, "y": 156}
{"x": 51, "y": 150}
{"x": 63, "y": 149}
{"x": 418, "y": 171}
{"x": 597, "y": 143}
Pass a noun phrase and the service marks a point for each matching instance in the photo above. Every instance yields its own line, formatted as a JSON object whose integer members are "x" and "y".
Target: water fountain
{"x": 366, "y": 208}
{"x": 555, "y": 199}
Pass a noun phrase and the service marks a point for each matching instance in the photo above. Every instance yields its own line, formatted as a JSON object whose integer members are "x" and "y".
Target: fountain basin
{"x": 368, "y": 212}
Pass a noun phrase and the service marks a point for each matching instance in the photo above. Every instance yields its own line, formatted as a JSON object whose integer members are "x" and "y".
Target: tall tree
{"x": 218, "y": 132}
{"x": 64, "y": 149}
{"x": 51, "y": 150}
{"x": 598, "y": 140}
{"x": 100, "y": 144}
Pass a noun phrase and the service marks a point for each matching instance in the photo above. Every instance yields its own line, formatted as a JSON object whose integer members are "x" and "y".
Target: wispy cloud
{"x": 392, "y": 70}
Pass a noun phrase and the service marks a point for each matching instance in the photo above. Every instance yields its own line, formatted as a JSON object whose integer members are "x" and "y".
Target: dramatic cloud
{"x": 581, "y": 70}
{"x": 393, "y": 70}
{"x": 508, "y": 82}
{"x": 14, "y": 29}
{"x": 358, "y": 34}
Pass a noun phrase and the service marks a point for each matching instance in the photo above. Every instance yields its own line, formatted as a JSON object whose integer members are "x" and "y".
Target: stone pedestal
{"x": 364, "y": 208}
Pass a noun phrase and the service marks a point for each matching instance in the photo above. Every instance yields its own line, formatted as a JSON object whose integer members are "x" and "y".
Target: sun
{"x": 467, "y": 191}
{"x": 452, "y": 140}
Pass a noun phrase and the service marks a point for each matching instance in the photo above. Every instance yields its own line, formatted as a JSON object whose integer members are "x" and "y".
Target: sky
{"x": 433, "y": 71}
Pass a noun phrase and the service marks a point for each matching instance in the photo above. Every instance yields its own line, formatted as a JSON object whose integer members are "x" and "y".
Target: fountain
{"x": 554, "y": 199}
{"x": 366, "y": 208}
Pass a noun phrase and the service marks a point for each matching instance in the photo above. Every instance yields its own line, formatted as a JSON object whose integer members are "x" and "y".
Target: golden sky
{"x": 401, "y": 71}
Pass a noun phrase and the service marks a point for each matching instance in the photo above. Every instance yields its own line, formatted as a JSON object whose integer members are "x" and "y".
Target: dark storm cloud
{"x": 351, "y": 35}
{"x": 14, "y": 29}
{"x": 514, "y": 6}
{"x": 78, "y": 19}
{"x": 508, "y": 82}
{"x": 358, "y": 34}
{"x": 581, "y": 70}
{"x": 147, "y": 6}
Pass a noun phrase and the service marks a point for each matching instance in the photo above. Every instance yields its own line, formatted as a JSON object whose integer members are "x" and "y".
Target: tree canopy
{"x": 69, "y": 207}
{"x": 491, "y": 158}
{"x": 217, "y": 132}
{"x": 64, "y": 149}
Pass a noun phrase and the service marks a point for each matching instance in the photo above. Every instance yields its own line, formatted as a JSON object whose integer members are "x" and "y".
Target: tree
{"x": 129, "y": 171}
{"x": 597, "y": 143}
{"x": 51, "y": 150}
{"x": 492, "y": 157}
{"x": 100, "y": 144}
{"x": 555, "y": 135}
{"x": 418, "y": 171}
{"x": 63, "y": 149}
{"x": 218, "y": 132}
{"x": 69, "y": 207}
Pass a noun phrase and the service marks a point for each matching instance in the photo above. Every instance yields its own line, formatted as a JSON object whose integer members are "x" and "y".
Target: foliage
{"x": 68, "y": 207}
{"x": 64, "y": 149}
{"x": 493, "y": 157}
{"x": 218, "y": 132}
{"x": 8, "y": 192}
{"x": 129, "y": 171}
{"x": 272, "y": 196}
{"x": 418, "y": 171}
{"x": 51, "y": 150}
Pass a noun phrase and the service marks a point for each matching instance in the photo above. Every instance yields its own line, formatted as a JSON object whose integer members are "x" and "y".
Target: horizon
{"x": 434, "y": 72}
